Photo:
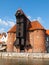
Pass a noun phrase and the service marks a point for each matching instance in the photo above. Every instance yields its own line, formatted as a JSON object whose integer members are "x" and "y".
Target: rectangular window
{"x": 47, "y": 38}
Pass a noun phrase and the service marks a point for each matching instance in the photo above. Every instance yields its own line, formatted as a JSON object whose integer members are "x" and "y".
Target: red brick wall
{"x": 16, "y": 49}
{"x": 10, "y": 41}
{"x": 37, "y": 41}
{"x": 35, "y": 38}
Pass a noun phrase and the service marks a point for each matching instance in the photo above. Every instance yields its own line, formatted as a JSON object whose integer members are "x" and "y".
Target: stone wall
{"x": 9, "y": 55}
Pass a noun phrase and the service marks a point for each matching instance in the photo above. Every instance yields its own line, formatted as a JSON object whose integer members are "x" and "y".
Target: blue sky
{"x": 34, "y": 9}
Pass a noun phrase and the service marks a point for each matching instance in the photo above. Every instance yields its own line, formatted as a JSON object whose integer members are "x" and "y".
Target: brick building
{"x": 11, "y": 38}
{"x": 3, "y": 41}
{"x": 37, "y": 38}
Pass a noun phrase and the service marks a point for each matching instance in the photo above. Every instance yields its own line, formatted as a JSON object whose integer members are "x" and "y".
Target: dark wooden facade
{"x": 22, "y": 24}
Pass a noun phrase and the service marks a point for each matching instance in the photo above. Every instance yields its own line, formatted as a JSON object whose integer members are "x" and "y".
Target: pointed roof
{"x": 47, "y": 32}
{"x": 35, "y": 25}
{"x": 20, "y": 11}
{"x": 13, "y": 29}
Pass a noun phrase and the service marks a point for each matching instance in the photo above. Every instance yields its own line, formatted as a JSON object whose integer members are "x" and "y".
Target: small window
{"x": 47, "y": 38}
{"x": 19, "y": 33}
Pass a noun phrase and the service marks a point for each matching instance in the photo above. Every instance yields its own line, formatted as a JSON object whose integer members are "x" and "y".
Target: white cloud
{"x": 2, "y": 30}
{"x": 29, "y": 17}
{"x": 6, "y": 23}
{"x": 34, "y": 19}
{"x": 10, "y": 23}
{"x": 2, "y": 22}
{"x": 39, "y": 19}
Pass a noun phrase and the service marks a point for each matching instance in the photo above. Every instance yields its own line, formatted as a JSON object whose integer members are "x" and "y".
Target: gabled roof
{"x": 13, "y": 29}
{"x": 20, "y": 11}
{"x": 35, "y": 25}
{"x": 47, "y": 32}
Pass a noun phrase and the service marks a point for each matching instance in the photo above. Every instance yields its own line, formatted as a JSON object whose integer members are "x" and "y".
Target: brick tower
{"x": 11, "y": 39}
{"x": 37, "y": 37}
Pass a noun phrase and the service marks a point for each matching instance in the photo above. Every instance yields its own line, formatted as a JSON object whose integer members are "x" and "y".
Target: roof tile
{"x": 47, "y": 32}
{"x": 33, "y": 25}
{"x": 13, "y": 29}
